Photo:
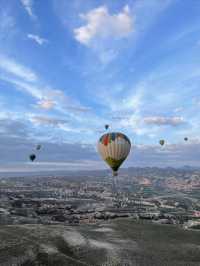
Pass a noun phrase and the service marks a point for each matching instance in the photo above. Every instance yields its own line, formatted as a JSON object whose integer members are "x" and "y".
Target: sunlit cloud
{"x": 100, "y": 24}
{"x": 46, "y": 104}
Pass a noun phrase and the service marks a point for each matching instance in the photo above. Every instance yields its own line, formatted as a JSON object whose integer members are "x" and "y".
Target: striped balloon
{"x": 114, "y": 148}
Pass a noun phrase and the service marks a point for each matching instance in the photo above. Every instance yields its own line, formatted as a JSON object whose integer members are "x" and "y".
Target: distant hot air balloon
{"x": 32, "y": 157}
{"x": 114, "y": 148}
{"x": 38, "y": 147}
{"x": 162, "y": 142}
{"x": 186, "y": 139}
{"x": 106, "y": 127}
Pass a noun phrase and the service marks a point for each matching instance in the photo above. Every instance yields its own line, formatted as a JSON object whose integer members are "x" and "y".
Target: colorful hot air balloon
{"x": 114, "y": 148}
{"x": 106, "y": 127}
{"x": 186, "y": 139}
{"x": 162, "y": 142}
{"x": 32, "y": 157}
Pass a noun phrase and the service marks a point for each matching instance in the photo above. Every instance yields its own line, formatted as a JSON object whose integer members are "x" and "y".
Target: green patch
{"x": 114, "y": 164}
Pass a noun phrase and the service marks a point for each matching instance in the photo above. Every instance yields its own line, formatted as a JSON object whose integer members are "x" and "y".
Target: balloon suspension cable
{"x": 115, "y": 190}
{"x": 115, "y": 173}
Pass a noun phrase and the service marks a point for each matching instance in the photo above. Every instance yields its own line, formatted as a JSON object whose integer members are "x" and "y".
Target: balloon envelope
{"x": 114, "y": 148}
{"x": 162, "y": 142}
{"x": 32, "y": 157}
{"x": 38, "y": 147}
{"x": 106, "y": 127}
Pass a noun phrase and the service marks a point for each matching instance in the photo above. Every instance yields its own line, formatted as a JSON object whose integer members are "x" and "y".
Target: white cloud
{"x": 28, "y": 5}
{"x": 100, "y": 24}
{"x": 11, "y": 67}
{"x": 37, "y": 39}
{"x": 163, "y": 121}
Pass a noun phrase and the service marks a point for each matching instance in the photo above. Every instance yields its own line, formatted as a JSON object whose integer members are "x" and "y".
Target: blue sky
{"x": 67, "y": 68}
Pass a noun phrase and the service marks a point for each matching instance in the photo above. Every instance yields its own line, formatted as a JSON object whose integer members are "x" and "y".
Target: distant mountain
{"x": 98, "y": 173}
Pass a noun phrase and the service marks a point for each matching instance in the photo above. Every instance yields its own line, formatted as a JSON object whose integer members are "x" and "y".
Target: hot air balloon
{"x": 162, "y": 142}
{"x": 186, "y": 139}
{"x": 106, "y": 127}
{"x": 114, "y": 148}
{"x": 32, "y": 157}
{"x": 38, "y": 147}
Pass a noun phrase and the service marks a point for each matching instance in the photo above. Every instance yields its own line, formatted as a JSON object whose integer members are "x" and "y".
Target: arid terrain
{"x": 118, "y": 242}
{"x": 149, "y": 217}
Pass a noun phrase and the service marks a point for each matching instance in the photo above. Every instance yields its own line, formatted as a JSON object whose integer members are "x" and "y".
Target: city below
{"x": 166, "y": 196}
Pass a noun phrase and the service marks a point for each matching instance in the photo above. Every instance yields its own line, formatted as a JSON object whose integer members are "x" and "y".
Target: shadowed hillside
{"x": 119, "y": 242}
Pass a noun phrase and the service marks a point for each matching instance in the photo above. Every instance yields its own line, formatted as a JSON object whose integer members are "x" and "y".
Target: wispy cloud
{"x": 39, "y": 40}
{"x": 142, "y": 8}
{"x": 46, "y": 120}
{"x": 28, "y": 5}
{"x": 178, "y": 109}
{"x": 10, "y": 66}
{"x": 13, "y": 128}
{"x": 164, "y": 121}
{"x": 48, "y": 98}
{"x": 119, "y": 117}
{"x": 107, "y": 56}
{"x": 8, "y": 26}
{"x": 6, "y": 21}
{"x": 24, "y": 86}
{"x": 78, "y": 108}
